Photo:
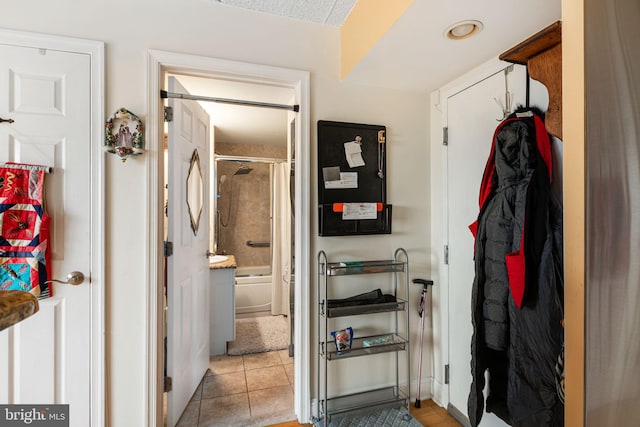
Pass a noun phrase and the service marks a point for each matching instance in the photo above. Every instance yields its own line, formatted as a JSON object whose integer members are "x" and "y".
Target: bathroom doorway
{"x": 159, "y": 64}
{"x": 251, "y": 221}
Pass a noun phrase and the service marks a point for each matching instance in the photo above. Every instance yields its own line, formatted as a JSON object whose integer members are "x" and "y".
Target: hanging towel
{"x": 24, "y": 230}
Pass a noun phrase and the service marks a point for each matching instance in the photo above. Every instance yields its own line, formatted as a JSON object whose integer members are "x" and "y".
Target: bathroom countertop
{"x": 229, "y": 263}
{"x": 16, "y": 306}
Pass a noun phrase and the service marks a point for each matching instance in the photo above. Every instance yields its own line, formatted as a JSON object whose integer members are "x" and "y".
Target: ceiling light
{"x": 462, "y": 30}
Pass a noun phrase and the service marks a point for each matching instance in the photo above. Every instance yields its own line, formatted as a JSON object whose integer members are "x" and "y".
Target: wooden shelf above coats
{"x": 542, "y": 54}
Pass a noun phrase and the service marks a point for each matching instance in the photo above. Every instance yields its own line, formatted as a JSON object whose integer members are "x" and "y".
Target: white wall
{"x": 206, "y": 28}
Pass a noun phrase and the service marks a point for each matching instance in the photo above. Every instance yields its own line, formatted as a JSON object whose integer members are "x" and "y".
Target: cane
{"x": 421, "y": 313}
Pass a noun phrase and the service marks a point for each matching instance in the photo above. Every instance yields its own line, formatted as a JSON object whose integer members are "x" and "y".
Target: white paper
{"x": 359, "y": 211}
{"x": 352, "y": 151}
{"x": 347, "y": 180}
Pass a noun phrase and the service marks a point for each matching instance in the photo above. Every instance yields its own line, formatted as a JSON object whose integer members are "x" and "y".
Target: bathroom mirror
{"x": 195, "y": 191}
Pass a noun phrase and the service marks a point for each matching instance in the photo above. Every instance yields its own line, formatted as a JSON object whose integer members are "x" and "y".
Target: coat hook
{"x": 505, "y": 112}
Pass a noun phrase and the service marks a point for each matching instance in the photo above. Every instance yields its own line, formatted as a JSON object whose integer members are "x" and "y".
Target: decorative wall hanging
{"x": 123, "y": 134}
{"x": 24, "y": 230}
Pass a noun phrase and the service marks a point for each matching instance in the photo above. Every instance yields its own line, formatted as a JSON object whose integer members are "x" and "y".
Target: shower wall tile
{"x": 244, "y": 204}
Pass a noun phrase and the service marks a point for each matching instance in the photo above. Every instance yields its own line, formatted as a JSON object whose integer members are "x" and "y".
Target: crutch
{"x": 421, "y": 313}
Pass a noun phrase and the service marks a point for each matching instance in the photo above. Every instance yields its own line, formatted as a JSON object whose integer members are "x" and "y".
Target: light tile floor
{"x": 250, "y": 390}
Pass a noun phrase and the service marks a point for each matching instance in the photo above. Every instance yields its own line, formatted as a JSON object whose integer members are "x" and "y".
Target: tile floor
{"x": 250, "y": 390}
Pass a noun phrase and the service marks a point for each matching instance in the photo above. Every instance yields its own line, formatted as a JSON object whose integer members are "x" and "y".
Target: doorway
{"x": 161, "y": 63}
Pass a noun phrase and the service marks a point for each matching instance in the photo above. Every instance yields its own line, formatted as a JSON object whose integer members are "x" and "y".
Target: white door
{"x": 188, "y": 267}
{"x": 472, "y": 119}
{"x": 46, "y": 358}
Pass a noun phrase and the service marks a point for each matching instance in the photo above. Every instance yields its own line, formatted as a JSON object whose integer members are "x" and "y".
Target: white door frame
{"x": 95, "y": 51}
{"x": 158, "y": 63}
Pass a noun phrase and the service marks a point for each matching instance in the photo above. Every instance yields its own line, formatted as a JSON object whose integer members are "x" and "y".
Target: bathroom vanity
{"x": 222, "y": 307}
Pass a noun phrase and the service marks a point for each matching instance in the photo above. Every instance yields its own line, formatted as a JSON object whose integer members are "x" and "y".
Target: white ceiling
{"x": 328, "y": 12}
{"x": 413, "y": 55}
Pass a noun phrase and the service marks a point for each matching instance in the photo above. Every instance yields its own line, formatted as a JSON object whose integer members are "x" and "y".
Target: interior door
{"x": 472, "y": 117}
{"x": 45, "y": 359}
{"x": 188, "y": 267}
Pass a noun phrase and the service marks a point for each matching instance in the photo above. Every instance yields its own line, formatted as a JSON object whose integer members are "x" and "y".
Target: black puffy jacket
{"x": 517, "y": 299}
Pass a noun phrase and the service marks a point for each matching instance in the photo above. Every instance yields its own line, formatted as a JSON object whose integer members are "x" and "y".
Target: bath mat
{"x": 396, "y": 417}
{"x": 259, "y": 334}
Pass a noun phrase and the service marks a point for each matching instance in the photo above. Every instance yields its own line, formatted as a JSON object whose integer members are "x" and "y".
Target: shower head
{"x": 243, "y": 170}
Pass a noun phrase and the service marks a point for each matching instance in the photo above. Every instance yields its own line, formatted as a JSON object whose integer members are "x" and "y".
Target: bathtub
{"x": 253, "y": 289}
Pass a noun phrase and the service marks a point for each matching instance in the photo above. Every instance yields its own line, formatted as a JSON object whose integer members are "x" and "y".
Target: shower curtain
{"x": 280, "y": 240}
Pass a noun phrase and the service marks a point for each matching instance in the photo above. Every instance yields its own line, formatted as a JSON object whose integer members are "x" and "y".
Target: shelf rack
{"x": 394, "y": 341}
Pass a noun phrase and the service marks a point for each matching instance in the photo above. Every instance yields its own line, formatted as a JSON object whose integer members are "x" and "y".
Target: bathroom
{"x": 250, "y": 222}
{"x": 248, "y": 188}
{"x": 250, "y": 184}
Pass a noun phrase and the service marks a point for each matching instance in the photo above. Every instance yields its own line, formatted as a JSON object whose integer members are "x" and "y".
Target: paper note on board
{"x": 347, "y": 180}
{"x": 353, "y": 152}
{"x": 359, "y": 211}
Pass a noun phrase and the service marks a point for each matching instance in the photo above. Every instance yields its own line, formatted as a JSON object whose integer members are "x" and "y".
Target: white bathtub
{"x": 253, "y": 289}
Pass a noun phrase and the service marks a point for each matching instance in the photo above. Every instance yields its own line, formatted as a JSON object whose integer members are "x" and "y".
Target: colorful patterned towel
{"x": 24, "y": 230}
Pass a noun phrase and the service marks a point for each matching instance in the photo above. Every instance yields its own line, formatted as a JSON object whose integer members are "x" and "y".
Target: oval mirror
{"x": 195, "y": 191}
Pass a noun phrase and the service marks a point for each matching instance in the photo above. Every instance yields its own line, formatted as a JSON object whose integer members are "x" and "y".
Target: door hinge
{"x": 446, "y": 374}
{"x": 168, "y": 114}
{"x": 168, "y": 384}
{"x": 168, "y": 249}
{"x": 445, "y": 136}
{"x": 446, "y": 254}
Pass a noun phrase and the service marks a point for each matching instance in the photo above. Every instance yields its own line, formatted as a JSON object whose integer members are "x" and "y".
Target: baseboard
{"x": 440, "y": 393}
{"x": 458, "y": 415}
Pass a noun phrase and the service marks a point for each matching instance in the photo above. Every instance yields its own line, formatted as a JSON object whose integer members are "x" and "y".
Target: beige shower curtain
{"x": 280, "y": 240}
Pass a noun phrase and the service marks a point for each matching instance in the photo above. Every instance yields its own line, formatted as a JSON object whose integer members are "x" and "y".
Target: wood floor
{"x": 429, "y": 415}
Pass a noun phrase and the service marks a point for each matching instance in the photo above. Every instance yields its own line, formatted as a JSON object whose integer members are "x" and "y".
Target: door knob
{"x": 74, "y": 278}
{"x": 209, "y": 253}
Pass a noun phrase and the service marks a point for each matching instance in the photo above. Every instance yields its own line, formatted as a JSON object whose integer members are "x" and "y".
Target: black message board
{"x": 355, "y": 173}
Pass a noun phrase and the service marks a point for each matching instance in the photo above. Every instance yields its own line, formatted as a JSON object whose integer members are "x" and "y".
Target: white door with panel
{"x": 472, "y": 117}
{"x": 188, "y": 267}
{"x": 45, "y": 359}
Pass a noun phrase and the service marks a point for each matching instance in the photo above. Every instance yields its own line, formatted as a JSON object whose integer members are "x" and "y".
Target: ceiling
{"x": 328, "y": 12}
{"x": 413, "y": 55}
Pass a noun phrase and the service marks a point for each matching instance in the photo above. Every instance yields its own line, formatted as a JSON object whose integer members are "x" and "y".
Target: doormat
{"x": 395, "y": 417}
{"x": 259, "y": 334}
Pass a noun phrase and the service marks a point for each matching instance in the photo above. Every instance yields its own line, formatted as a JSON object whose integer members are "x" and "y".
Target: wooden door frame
{"x": 96, "y": 276}
{"x": 159, "y": 63}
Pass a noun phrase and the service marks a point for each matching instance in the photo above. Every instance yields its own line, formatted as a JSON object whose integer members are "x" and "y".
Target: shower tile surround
{"x": 248, "y": 215}
{"x": 250, "y": 390}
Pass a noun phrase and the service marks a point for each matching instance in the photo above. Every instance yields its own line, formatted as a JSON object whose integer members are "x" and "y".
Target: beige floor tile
{"x": 289, "y": 370}
{"x": 266, "y": 377}
{"x": 225, "y": 364}
{"x": 190, "y": 415}
{"x": 270, "y": 401}
{"x": 224, "y": 385}
{"x": 261, "y": 360}
{"x": 284, "y": 357}
{"x": 225, "y": 411}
